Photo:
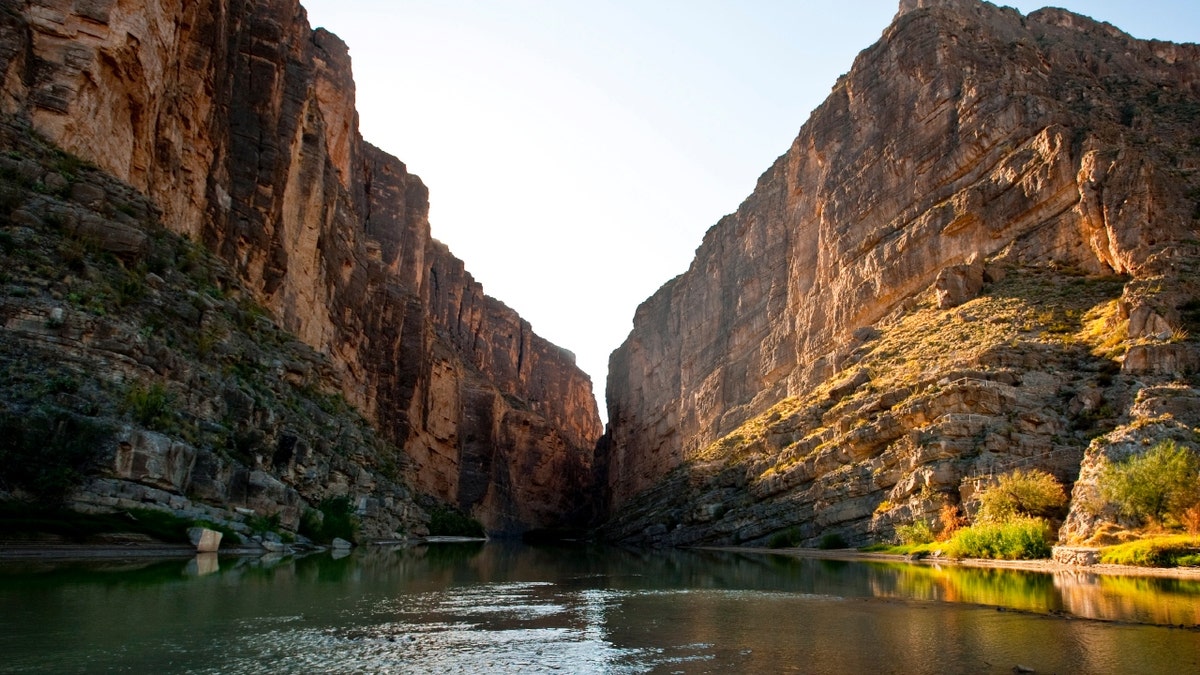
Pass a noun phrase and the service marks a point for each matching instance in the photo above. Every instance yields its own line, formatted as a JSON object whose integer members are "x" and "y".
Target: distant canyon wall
{"x": 239, "y": 121}
{"x": 968, "y": 133}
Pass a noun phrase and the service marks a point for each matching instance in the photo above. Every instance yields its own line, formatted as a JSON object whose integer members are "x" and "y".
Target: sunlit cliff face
{"x": 967, "y": 144}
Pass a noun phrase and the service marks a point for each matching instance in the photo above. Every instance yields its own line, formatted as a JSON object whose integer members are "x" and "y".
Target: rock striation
{"x": 975, "y": 170}
{"x": 238, "y": 121}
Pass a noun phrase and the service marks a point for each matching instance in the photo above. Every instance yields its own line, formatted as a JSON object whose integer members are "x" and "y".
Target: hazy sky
{"x": 577, "y": 150}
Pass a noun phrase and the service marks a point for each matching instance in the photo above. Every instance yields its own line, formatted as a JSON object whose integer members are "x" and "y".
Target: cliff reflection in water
{"x": 1150, "y": 600}
{"x": 496, "y": 608}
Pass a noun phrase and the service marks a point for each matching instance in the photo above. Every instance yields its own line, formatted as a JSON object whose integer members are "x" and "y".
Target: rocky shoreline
{"x": 109, "y": 551}
{"x": 17, "y": 551}
{"x": 1047, "y": 566}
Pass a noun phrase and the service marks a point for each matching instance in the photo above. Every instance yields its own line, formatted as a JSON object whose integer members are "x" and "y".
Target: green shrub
{"x": 1172, "y": 551}
{"x": 786, "y": 539}
{"x": 445, "y": 522}
{"x": 1020, "y": 538}
{"x": 131, "y": 287}
{"x": 878, "y": 547}
{"x": 1033, "y": 493}
{"x": 70, "y": 165}
{"x": 47, "y": 452}
{"x": 161, "y": 525}
{"x": 830, "y": 541}
{"x": 333, "y": 518}
{"x": 151, "y": 407}
{"x": 56, "y": 382}
{"x": 918, "y": 532}
{"x": 339, "y": 520}
{"x": 263, "y": 524}
{"x": 310, "y": 524}
{"x": 1159, "y": 483}
{"x": 38, "y": 519}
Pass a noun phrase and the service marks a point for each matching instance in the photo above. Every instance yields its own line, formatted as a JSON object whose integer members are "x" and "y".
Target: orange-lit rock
{"x": 968, "y": 138}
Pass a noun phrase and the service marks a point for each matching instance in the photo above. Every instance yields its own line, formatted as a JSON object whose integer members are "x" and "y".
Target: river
{"x": 485, "y": 608}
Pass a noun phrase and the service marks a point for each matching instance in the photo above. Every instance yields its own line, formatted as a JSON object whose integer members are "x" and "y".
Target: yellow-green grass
{"x": 1179, "y": 550}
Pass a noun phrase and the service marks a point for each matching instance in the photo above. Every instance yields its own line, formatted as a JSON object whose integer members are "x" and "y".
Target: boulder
{"x": 1075, "y": 556}
{"x": 957, "y": 284}
{"x": 204, "y": 539}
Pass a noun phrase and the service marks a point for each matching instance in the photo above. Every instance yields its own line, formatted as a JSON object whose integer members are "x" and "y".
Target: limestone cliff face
{"x": 238, "y": 120}
{"x": 140, "y": 373}
{"x": 968, "y": 141}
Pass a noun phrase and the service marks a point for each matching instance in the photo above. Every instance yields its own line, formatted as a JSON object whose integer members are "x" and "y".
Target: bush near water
{"x": 445, "y": 522}
{"x": 1159, "y": 487}
{"x": 1012, "y": 522}
{"x": 332, "y": 519}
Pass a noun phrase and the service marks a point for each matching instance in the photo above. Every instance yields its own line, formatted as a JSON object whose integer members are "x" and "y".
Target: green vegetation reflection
{"x": 1077, "y": 593}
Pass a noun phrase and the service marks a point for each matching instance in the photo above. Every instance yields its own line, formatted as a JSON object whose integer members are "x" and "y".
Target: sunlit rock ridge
{"x": 978, "y": 254}
{"x": 238, "y": 121}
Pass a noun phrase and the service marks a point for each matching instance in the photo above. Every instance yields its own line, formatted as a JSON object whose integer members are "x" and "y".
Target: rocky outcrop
{"x": 147, "y": 377}
{"x": 1161, "y": 411}
{"x": 238, "y": 121}
{"x": 754, "y": 393}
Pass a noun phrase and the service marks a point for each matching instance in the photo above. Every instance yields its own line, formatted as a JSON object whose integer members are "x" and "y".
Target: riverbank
{"x": 93, "y": 552}
{"x": 109, "y": 551}
{"x": 145, "y": 549}
{"x": 141, "y": 549}
{"x": 1049, "y": 566}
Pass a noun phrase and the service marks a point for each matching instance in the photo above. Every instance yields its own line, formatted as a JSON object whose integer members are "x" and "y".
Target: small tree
{"x": 952, "y": 520}
{"x": 1158, "y": 483}
{"x": 1191, "y": 519}
{"x": 1033, "y": 493}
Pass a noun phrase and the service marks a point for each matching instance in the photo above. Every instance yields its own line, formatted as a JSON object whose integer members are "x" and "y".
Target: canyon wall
{"x": 238, "y": 121}
{"x": 969, "y": 143}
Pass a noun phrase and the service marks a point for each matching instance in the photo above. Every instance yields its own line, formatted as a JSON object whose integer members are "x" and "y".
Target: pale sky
{"x": 577, "y": 150}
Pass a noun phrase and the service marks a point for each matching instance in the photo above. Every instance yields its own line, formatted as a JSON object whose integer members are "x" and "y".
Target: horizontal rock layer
{"x": 238, "y": 121}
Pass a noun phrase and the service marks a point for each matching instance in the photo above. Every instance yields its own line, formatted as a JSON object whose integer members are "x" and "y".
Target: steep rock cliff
{"x": 139, "y": 372}
{"x": 760, "y": 390}
{"x": 238, "y": 121}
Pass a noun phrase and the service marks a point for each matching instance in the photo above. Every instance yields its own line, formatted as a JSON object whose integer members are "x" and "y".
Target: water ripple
{"x": 526, "y": 627}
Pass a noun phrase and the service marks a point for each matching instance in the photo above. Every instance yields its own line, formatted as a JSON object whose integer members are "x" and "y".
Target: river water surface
{"x": 475, "y": 608}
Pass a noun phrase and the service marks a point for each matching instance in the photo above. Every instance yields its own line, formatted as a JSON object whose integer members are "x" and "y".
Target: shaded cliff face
{"x": 238, "y": 121}
{"x": 139, "y": 372}
{"x": 969, "y": 143}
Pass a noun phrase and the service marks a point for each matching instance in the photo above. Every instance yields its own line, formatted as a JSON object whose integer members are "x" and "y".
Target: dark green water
{"x": 493, "y": 608}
